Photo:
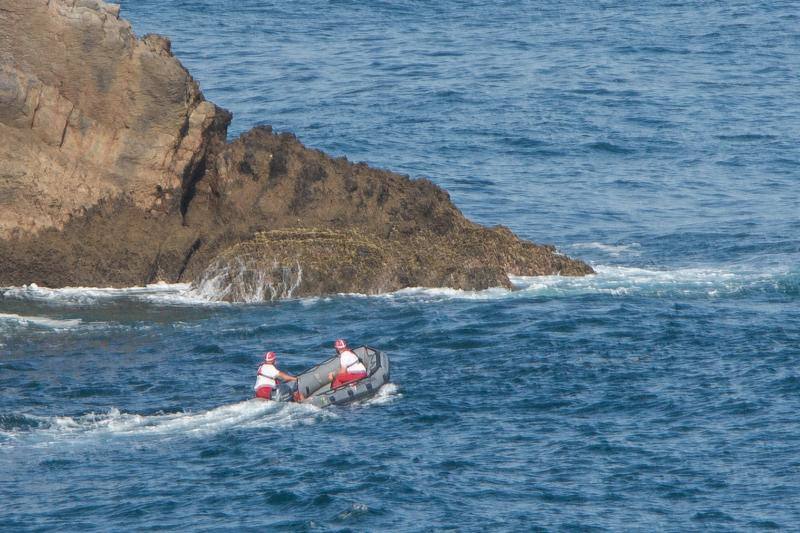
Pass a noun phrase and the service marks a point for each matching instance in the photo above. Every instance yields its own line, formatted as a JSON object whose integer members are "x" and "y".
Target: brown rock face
{"x": 299, "y": 223}
{"x": 88, "y": 112}
{"x": 114, "y": 171}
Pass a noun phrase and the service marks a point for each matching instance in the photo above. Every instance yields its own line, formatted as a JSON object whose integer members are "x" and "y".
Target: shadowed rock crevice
{"x": 114, "y": 170}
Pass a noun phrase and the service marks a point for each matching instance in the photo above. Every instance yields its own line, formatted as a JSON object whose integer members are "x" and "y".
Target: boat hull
{"x": 313, "y": 384}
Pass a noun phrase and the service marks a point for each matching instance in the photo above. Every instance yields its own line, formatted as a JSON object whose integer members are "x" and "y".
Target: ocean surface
{"x": 659, "y": 142}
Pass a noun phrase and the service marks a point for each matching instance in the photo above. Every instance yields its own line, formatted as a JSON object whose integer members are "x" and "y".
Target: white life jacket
{"x": 351, "y": 363}
{"x": 266, "y": 376}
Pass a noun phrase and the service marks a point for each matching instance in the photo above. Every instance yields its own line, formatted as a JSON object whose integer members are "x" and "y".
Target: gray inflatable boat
{"x": 315, "y": 387}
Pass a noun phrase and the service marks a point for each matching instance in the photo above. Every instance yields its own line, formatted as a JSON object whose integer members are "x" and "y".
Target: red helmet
{"x": 269, "y": 357}
{"x": 340, "y": 344}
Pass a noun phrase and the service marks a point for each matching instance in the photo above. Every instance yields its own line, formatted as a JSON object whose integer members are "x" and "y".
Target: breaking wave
{"x": 40, "y": 321}
{"x": 619, "y": 281}
{"x": 613, "y": 250}
{"x": 624, "y": 281}
{"x": 159, "y": 293}
{"x": 612, "y": 280}
{"x": 240, "y": 279}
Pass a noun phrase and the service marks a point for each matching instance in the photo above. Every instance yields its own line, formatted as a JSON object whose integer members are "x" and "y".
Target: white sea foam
{"x": 386, "y": 394}
{"x": 251, "y": 414}
{"x": 247, "y": 414}
{"x": 159, "y": 293}
{"x": 617, "y": 281}
{"x": 41, "y": 321}
{"x": 612, "y": 280}
{"x": 445, "y": 293}
{"x": 244, "y": 279}
{"x": 614, "y": 250}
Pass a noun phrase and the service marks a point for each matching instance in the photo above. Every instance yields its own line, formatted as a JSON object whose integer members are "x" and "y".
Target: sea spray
{"x": 244, "y": 279}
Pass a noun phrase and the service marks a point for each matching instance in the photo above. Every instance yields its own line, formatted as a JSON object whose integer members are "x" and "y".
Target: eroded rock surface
{"x": 88, "y": 112}
{"x": 114, "y": 171}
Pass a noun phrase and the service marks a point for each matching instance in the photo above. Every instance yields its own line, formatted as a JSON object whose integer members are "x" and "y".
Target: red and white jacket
{"x": 266, "y": 376}
{"x": 351, "y": 363}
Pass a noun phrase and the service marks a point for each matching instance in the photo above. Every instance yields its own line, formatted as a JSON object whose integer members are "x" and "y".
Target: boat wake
{"x": 249, "y": 414}
{"x": 386, "y": 394}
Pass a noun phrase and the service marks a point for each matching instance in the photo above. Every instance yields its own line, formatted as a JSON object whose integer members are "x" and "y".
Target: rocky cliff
{"x": 114, "y": 170}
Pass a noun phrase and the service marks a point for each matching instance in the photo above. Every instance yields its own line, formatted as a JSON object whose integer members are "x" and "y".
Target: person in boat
{"x": 267, "y": 374}
{"x": 350, "y": 366}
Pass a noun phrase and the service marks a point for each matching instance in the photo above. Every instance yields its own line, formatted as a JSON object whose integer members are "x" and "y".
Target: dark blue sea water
{"x": 657, "y": 141}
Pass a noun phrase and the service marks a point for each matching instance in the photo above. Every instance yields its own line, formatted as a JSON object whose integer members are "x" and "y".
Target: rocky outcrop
{"x": 88, "y": 112}
{"x": 114, "y": 171}
{"x": 312, "y": 224}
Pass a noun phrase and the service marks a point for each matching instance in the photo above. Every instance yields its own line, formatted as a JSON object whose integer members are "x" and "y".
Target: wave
{"x": 159, "y": 293}
{"x": 747, "y": 137}
{"x": 690, "y": 282}
{"x": 614, "y": 250}
{"x": 114, "y": 423}
{"x": 241, "y": 279}
{"x": 40, "y": 321}
{"x": 613, "y": 280}
{"x": 624, "y": 281}
{"x": 609, "y": 148}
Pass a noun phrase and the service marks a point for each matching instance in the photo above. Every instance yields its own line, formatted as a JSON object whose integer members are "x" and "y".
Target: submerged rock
{"x": 114, "y": 171}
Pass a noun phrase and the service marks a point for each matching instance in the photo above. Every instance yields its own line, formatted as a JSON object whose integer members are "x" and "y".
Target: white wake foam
{"x": 386, "y": 394}
{"x": 247, "y": 414}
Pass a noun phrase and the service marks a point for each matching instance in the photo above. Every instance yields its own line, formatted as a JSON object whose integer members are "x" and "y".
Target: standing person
{"x": 267, "y": 374}
{"x": 350, "y": 366}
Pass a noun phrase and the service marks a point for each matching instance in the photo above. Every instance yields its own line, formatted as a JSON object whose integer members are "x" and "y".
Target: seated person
{"x": 350, "y": 366}
{"x": 267, "y": 374}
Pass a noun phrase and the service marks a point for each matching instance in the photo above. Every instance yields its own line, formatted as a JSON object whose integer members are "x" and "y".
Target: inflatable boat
{"x": 313, "y": 384}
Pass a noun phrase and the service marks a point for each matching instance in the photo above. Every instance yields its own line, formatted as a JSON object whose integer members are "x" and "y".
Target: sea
{"x": 658, "y": 141}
